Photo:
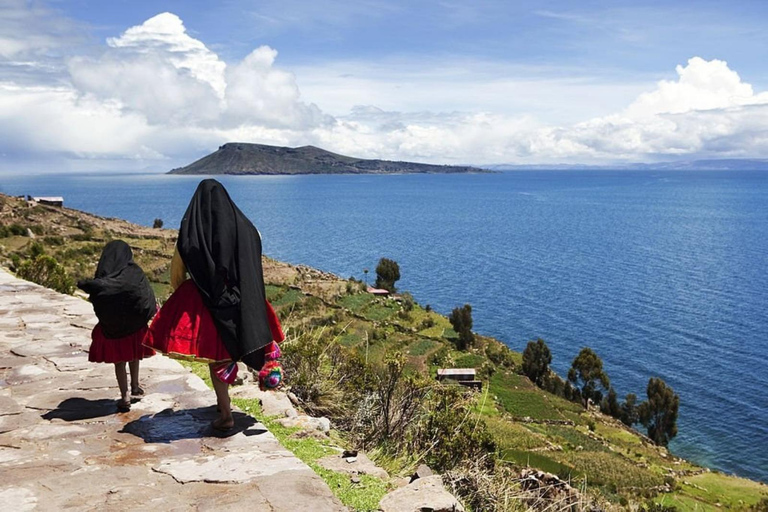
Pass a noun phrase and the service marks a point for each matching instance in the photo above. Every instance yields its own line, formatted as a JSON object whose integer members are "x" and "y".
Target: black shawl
{"x": 120, "y": 293}
{"x": 221, "y": 249}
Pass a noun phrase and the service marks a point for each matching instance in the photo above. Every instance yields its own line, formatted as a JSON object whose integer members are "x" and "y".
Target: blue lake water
{"x": 662, "y": 273}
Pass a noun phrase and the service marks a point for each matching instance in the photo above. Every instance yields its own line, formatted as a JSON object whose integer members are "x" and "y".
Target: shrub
{"x": 17, "y": 230}
{"x": 36, "y": 249}
{"x": 448, "y": 432}
{"x": 46, "y": 271}
{"x": 500, "y": 355}
{"x": 157, "y": 223}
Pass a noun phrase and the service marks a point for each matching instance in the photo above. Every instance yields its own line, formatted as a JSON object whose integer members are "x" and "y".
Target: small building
{"x": 464, "y": 376}
{"x": 50, "y": 201}
{"x": 378, "y": 291}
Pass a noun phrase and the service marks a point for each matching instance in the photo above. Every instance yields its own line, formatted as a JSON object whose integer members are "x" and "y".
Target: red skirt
{"x": 184, "y": 328}
{"x": 118, "y": 350}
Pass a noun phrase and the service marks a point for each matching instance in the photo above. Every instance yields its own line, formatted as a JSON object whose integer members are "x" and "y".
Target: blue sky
{"x": 448, "y": 81}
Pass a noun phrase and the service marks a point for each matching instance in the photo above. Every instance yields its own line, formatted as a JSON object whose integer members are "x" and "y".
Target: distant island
{"x": 241, "y": 158}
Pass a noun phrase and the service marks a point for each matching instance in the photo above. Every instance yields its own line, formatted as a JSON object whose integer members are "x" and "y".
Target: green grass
{"x": 449, "y": 333}
{"x": 349, "y": 339}
{"x": 421, "y": 347}
{"x": 539, "y": 461}
{"x": 605, "y": 468}
{"x": 357, "y": 301}
{"x": 514, "y": 436}
{"x": 470, "y": 361}
{"x": 289, "y": 297}
{"x": 570, "y": 437}
{"x": 379, "y": 312}
{"x": 521, "y": 399}
{"x": 436, "y": 331}
{"x": 718, "y": 488}
{"x": 273, "y": 291}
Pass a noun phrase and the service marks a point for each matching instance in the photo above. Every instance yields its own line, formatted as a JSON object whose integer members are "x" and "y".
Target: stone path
{"x": 63, "y": 444}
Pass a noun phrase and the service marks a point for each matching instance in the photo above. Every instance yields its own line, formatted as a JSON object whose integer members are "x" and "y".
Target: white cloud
{"x": 166, "y": 35}
{"x": 157, "y": 94}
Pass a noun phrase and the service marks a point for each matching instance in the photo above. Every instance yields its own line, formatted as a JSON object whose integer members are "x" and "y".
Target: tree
{"x": 610, "y": 404}
{"x": 536, "y": 359}
{"x": 587, "y": 371}
{"x": 461, "y": 320}
{"x": 659, "y": 412}
{"x": 387, "y": 273}
{"x": 629, "y": 410}
{"x": 157, "y": 224}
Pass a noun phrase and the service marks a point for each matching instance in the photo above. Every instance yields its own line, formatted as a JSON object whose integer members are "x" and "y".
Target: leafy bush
{"x": 17, "y": 230}
{"x": 157, "y": 223}
{"x": 500, "y": 355}
{"x": 36, "y": 249}
{"x": 46, "y": 271}
{"x": 448, "y": 432}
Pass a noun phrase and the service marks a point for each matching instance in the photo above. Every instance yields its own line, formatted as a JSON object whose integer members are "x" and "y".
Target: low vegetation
{"x": 368, "y": 363}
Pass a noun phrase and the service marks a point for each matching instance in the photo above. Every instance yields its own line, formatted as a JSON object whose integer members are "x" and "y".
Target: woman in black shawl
{"x": 219, "y": 315}
{"x": 123, "y": 302}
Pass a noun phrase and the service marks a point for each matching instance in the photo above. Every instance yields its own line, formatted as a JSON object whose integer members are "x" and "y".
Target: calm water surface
{"x": 663, "y": 274}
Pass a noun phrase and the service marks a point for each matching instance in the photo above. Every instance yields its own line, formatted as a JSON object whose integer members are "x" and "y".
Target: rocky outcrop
{"x": 423, "y": 494}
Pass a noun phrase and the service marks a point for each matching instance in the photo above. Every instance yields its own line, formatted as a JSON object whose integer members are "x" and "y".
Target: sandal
{"x": 137, "y": 391}
{"x": 123, "y": 406}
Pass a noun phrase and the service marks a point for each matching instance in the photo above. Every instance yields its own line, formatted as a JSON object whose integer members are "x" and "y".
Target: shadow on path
{"x": 169, "y": 425}
{"x": 78, "y": 408}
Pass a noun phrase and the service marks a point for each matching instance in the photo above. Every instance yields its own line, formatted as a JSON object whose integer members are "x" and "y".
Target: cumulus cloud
{"x": 155, "y": 93}
{"x": 158, "y": 70}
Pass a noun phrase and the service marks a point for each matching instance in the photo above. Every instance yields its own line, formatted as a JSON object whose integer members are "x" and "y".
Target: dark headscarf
{"x": 120, "y": 292}
{"x": 221, "y": 249}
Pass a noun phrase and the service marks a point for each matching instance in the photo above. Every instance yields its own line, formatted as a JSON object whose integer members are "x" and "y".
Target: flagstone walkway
{"x": 63, "y": 444}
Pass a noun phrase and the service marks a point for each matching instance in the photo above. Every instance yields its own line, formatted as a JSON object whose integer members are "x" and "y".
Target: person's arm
{"x": 178, "y": 270}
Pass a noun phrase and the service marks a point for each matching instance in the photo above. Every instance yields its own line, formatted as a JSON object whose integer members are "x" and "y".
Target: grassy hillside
{"x": 339, "y": 321}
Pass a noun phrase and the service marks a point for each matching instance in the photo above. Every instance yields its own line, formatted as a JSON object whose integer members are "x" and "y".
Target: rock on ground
{"x": 423, "y": 494}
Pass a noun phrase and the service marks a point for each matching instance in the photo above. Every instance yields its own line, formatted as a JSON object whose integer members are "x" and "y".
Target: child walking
{"x": 123, "y": 302}
{"x": 219, "y": 314}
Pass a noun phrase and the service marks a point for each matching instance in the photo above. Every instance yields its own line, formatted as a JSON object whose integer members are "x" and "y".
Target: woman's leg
{"x": 225, "y": 419}
{"x": 135, "y": 385}
{"x": 122, "y": 383}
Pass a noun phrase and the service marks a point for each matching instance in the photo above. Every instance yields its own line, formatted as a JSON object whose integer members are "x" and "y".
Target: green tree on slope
{"x": 387, "y": 274}
{"x": 536, "y": 359}
{"x": 659, "y": 413}
{"x": 461, "y": 320}
{"x": 587, "y": 374}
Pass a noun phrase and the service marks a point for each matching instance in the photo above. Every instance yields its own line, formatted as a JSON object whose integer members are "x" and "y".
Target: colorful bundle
{"x": 270, "y": 376}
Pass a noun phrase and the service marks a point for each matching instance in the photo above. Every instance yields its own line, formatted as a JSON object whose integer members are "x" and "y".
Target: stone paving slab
{"x": 63, "y": 444}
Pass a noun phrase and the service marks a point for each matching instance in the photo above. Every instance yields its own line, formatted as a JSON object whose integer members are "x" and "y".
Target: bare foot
{"x": 223, "y": 424}
{"x": 123, "y": 405}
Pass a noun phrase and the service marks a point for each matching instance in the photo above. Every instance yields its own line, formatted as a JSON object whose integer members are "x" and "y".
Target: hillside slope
{"x": 611, "y": 462}
{"x": 242, "y": 158}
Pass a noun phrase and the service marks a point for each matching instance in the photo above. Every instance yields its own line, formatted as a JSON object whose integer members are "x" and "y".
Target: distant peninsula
{"x": 241, "y": 158}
